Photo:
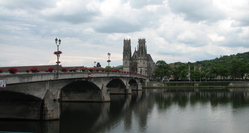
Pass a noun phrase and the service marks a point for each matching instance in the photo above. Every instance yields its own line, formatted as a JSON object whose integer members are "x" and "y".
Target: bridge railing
{"x": 42, "y": 76}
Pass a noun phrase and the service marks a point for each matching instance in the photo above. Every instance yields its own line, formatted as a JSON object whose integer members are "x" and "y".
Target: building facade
{"x": 138, "y": 62}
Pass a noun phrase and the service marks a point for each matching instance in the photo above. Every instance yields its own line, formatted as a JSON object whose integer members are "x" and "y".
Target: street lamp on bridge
{"x": 57, "y": 53}
{"x": 109, "y": 55}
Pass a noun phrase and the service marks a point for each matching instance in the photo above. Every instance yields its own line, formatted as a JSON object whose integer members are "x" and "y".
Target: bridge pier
{"x": 139, "y": 86}
{"x": 50, "y": 106}
{"x": 128, "y": 89}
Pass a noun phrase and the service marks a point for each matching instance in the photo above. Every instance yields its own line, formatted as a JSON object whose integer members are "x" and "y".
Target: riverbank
{"x": 200, "y": 86}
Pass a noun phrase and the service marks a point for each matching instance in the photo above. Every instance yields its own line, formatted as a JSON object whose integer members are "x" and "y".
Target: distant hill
{"x": 225, "y": 60}
{"x": 118, "y": 67}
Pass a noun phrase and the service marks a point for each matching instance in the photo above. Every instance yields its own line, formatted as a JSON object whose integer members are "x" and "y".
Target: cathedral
{"x": 140, "y": 62}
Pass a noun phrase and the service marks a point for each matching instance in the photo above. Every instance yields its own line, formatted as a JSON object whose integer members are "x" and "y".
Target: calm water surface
{"x": 148, "y": 111}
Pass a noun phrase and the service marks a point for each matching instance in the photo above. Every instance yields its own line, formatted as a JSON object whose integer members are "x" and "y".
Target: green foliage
{"x": 108, "y": 68}
{"x": 180, "y": 73}
{"x": 234, "y": 65}
{"x": 219, "y": 70}
{"x": 118, "y": 67}
{"x": 162, "y": 69}
{"x": 238, "y": 68}
{"x": 225, "y": 60}
{"x": 195, "y": 74}
{"x": 98, "y": 64}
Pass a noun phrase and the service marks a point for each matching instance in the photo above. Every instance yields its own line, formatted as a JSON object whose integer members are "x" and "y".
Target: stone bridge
{"x": 37, "y": 95}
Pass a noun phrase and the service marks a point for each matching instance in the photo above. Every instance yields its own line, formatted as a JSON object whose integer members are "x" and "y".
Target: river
{"x": 148, "y": 111}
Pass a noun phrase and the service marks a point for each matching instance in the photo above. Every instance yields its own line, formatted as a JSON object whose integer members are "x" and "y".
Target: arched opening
{"x": 81, "y": 91}
{"x": 133, "y": 84}
{"x": 17, "y": 96}
{"x": 16, "y": 105}
{"x": 116, "y": 86}
{"x": 143, "y": 83}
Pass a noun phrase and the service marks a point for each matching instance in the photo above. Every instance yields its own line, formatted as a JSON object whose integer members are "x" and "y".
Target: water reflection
{"x": 166, "y": 100}
{"x": 148, "y": 111}
{"x": 29, "y": 126}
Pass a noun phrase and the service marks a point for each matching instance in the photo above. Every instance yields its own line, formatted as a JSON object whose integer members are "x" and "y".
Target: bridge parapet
{"x": 38, "y": 77}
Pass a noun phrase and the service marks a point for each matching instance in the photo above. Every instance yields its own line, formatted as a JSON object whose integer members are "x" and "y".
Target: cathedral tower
{"x": 142, "y": 51}
{"x": 138, "y": 62}
{"x": 126, "y": 55}
{"x": 142, "y": 57}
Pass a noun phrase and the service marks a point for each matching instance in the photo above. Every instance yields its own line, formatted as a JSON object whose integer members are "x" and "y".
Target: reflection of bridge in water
{"x": 102, "y": 117}
{"x": 91, "y": 116}
{"x": 37, "y": 96}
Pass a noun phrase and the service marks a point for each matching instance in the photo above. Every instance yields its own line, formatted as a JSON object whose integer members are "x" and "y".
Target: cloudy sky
{"x": 175, "y": 30}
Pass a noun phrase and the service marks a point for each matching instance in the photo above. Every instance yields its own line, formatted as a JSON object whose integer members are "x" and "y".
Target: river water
{"x": 148, "y": 111}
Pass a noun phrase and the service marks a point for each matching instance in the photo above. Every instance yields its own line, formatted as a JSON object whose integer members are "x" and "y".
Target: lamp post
{"x": 188, "y": 71}
{"x": 57, "y": 53}
{"x": 109, "y": 54}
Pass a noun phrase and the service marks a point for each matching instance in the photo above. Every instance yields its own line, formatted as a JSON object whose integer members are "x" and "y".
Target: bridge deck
{"x": 38, "y": 77}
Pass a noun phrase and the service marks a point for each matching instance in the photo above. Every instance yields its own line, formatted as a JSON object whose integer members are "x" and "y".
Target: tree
{"x": 108, "y": 68}
{"x": 162, "y": 69}
{"x": 238, "y": 69}
{"x": 219, "y": 70}
{"x": 195, "y": 74}
{"x": 180, "y": 72}
{"x": 204, "y": 73}
{"x": 222, "y": 70}
{"x": 98, "y": 64}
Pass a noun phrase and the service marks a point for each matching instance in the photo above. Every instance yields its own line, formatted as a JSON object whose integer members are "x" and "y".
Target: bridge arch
{"x": 133, "y": 84}
{"x": 81, "y": 91}
{"x": 19, "y": 105}
{"x": 20, "y": 96}
{"x": 143, "y": 82}
{"x": 116, "y": 86}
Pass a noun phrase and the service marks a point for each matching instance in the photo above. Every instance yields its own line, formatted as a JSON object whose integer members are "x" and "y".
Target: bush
{"x": 27, "y": 70}
{"x": 63, "y": 69}
{"x": 50, "y": 69}
{"x": 74, "y": 69}
{"x": 34, "y": 69}
{"x": 13, "y": 70}
{"x": 83, "y": 69}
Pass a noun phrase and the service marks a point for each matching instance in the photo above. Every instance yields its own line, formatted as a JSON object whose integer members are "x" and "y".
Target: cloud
{"x": 143, "y": 3}
{"x": 74, "y": 12}
{"x": 122, "y": 17}
{"x": 216, "y": 38}
{"x": 174, "y": 29}
{"x": 235, "y": 10}
{"x": 89, "y": 29}
{"x": 118, "y": 26}
{"x": 116, "y": 18}
{"x": 27, "y": 4}
{"x": 196, "y": 10}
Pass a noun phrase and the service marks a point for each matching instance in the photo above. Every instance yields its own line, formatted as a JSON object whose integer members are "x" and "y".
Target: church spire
{"x": 126, "y": 55}
{"x": 127, "y": 49}
{"x": 142, "y": 50}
